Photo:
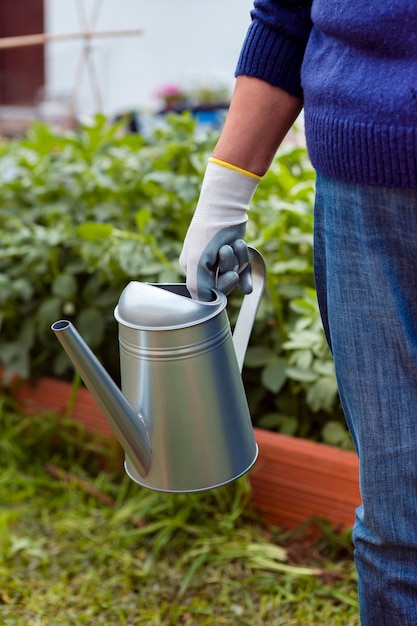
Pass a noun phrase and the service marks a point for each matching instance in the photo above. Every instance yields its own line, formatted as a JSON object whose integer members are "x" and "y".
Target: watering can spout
{"x": 127, "y": 424}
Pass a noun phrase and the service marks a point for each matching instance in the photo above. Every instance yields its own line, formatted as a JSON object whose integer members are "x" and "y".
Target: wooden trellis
{"x": 86, "y": 60}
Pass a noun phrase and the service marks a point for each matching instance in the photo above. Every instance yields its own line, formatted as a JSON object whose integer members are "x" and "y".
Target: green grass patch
{"x": 82, "y": 544}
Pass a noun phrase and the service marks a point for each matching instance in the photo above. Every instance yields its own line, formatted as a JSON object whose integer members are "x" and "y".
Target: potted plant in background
{"x": 210, "y": 103}
{"x": 172, "y": 98}
{"x": 210, "y": 96}
{"x": 207, "y": 103}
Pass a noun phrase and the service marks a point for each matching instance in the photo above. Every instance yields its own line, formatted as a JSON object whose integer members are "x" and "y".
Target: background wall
{"x": 21, "y": 69}
{"x": 185, "y": 42}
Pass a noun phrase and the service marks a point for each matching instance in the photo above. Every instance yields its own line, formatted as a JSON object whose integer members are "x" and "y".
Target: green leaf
{"x": 91, "y": 326}
{"x": 285, "y": 424}
{"x": 304, "y": 307}
{"x": 93, "y": 231}
{"x": 270, "y": 421}
{"x": 23, "y": 288}
{"x": 303, "y": 359}
{"x": 274, "y": 375}
{"x": 48, "y": 312}
{"x": 290, "y": 266}
{"x": 295, "y": 373}
{"x": 334, "y": 433}
{"x": 288, "y": 425}
{"x": 64, "y": 286}
{"x": 142, "y": 217}
{"x": 322, "y": 394}
{"x": 257, "y": 356}
{"x": 325, "y": 368}
{"x": 131, "y": 257}
{"x": 169, "y": 275}
{"x": 302, "y": 340}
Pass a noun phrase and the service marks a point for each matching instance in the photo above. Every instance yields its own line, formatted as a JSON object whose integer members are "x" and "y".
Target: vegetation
{"x": 85, "y": 212}
{"x": 83, "y": 546}
{"x": 82, "y": 214}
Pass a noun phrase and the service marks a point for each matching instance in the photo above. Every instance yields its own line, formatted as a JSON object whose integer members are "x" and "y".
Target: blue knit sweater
{"x": 355, "y": 65}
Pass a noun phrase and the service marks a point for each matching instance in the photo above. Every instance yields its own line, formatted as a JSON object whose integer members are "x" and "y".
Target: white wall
{"x": 186, "y": 42}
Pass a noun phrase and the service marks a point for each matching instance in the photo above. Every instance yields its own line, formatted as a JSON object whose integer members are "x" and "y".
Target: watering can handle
{"x": 250, "y": 305}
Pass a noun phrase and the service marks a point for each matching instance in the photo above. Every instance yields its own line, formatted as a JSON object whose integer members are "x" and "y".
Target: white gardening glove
{"x": 213, "y": 253}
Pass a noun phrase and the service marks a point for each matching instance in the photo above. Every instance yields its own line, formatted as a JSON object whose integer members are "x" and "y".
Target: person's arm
{"x": 266, "y": 101}
{"x": 259, "y": 117}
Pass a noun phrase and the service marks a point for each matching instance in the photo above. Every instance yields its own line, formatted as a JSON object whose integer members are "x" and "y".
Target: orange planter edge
{"x": 292, "y": 481}
{"x": 295, "y": 480}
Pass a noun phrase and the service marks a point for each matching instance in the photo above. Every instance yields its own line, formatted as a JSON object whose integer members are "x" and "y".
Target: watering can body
{"x": 191, "y": 389}
{"x": 182, "y": 416}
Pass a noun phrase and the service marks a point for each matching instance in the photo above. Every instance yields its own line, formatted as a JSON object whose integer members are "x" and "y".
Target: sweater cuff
{"x": 276, "y": 60}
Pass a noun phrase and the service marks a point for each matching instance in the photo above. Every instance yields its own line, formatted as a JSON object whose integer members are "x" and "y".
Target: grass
{"x": 82, "y": 544}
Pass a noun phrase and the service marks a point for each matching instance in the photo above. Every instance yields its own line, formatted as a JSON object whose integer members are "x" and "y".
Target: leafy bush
{"x": 84, "y": 212}
{"x": 288, "y": 351}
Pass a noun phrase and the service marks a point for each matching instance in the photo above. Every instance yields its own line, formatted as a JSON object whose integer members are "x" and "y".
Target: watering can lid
{"x": 147, "y": 306}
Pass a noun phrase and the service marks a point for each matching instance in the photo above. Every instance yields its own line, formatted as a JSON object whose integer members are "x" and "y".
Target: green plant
{"x": 174, "y": 96}
{"x": 84, "y": 212}
{"x": 288, "y": 353}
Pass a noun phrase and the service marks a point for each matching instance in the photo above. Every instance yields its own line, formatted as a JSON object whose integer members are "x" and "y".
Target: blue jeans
{"x": 366, "y": 278}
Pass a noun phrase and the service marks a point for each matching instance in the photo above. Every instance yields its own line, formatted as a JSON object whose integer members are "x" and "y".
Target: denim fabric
{"x": 366, "y": 277}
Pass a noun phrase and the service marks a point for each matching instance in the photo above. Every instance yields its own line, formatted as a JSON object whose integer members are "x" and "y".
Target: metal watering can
{"x": 182, "y": 415}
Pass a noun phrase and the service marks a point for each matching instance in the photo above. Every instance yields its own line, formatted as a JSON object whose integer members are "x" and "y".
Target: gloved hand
{"x": 213, "y": 253}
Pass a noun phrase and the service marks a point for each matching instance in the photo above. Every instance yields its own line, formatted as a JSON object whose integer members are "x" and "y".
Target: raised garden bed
{"x": 292, "y": 481}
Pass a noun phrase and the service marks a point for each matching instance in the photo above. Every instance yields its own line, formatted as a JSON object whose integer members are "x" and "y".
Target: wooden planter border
{"x": 292, "y": 481}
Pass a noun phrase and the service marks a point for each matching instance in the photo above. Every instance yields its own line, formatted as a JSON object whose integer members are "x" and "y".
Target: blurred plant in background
{"x": 173, "y": 97}
{"x": 84, "y": 212}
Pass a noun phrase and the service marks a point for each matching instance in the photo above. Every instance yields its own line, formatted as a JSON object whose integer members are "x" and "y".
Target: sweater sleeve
{"x": 274, "y": 47}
